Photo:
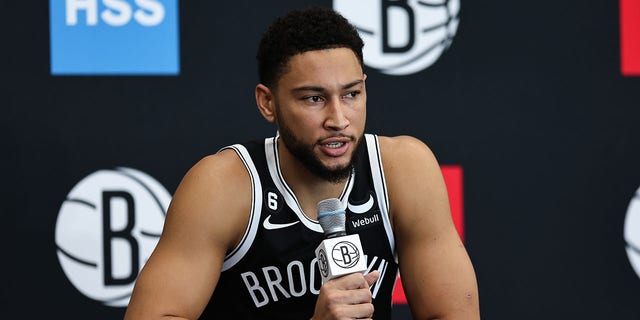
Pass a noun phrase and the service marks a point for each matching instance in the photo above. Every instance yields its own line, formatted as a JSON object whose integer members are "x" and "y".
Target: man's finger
{"x": 372, "y": 277}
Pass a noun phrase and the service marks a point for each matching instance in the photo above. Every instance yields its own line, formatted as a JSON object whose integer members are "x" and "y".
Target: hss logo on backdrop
{"x": 402, "y": 36}
{"x": 115, "y": 37}
{"x": 106, "y": 230}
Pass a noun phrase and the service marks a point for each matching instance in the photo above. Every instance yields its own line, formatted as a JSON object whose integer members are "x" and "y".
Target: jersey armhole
{"x": 380, "y": 186}
{"x": 249, "y": 235}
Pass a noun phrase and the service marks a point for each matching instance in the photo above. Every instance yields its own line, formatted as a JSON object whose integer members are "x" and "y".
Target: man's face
{"x": 320, "y": 107}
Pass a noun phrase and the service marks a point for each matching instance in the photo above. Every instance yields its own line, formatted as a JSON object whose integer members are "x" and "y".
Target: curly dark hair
{"x": 300, "y": 31}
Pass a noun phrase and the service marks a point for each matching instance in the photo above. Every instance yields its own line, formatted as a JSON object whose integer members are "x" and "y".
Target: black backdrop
{"x": 529, "y": 100}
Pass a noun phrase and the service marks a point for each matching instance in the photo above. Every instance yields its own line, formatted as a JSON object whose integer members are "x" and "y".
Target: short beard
{"x": 305, "y": 155}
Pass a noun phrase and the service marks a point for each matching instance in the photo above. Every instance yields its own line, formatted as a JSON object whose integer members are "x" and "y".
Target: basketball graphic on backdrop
{"x": 402, "y": 37}
{"x": 632, "y": 232}
{"x": 106, "y": 230}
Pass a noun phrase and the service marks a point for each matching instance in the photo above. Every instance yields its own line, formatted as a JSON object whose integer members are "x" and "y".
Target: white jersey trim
{"x": 256, "y": 207}
{"x": 379, "y": 183}
{"x": 273, "y": 162}
{"x": 380, "y": 186}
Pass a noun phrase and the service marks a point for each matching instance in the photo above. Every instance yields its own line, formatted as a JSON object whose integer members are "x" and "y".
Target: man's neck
{"x": 308, "y": 188}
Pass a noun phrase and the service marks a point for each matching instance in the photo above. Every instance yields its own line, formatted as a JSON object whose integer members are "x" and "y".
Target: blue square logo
{"x": 114, "y": 37}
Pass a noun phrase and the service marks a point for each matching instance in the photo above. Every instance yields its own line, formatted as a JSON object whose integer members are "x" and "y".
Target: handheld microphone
{"x": 339, "y": 254}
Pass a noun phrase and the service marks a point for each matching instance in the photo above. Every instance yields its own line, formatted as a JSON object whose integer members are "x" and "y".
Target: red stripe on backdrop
{"x": 453, "y": 178}
{"x": 630, "y": 37}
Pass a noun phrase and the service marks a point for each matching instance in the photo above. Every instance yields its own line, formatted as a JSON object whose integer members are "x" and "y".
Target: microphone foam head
{"x": 332, "y": 217}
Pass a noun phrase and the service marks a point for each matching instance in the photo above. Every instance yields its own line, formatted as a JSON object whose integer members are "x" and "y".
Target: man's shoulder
{"x": 223, "y": 171}
{"x": 401, "y": 146}
{"x": 403, "y": 155}
{"x": 214, "y": 187}
{"x": 218, "y": 163}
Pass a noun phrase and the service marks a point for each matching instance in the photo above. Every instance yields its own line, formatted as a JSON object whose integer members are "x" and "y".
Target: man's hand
{"x": 347, "y": 297}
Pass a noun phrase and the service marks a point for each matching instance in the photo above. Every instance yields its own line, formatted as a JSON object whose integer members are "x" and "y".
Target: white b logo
{"x": 632, "y": 232}
{"x": 106, "y": 230}
{"x": 402, "y": 36}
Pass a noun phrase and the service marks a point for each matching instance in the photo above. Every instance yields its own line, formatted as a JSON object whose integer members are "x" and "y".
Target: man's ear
{"x": 265, "y": 102}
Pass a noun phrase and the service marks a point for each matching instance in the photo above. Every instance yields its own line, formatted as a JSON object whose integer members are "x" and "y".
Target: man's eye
{"x": 313, "y": 99}
{"x": 352, "y": 94}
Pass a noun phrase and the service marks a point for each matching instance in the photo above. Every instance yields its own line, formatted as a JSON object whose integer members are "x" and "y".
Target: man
{"x": 241, "y": 230}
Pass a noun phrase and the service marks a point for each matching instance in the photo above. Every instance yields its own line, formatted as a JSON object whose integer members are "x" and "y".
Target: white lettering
{"x": 274, "y": 283}
{"x": 118, "y": 14}
{"x": 312, "y": 277}
{"x": 303, "y": 284}
{"x": 253, "y": 288}
{"x": 365, "y": 221}
{"x": 152, "y": 15}
{"x": 272, "y": 201}
{"x": 297, "y": 283}
{"x": 382, "y": 268}
{"x": 73, "y": 6}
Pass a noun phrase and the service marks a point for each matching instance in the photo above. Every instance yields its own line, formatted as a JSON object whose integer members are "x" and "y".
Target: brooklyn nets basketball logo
{"x": 323, "y": 264}
{"x": 632, "y": 232}
{"x": 106, "y": 230}
{"x": 345, "y": 254}
{"x": 402, "y": 36}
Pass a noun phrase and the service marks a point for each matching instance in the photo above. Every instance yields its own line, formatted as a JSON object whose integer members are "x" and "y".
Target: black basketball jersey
{"x": 273, "y": 272}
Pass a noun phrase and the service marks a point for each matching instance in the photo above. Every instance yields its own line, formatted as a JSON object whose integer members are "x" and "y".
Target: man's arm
{"x": 206, "y": 219}
{"x": 437, "y": 275}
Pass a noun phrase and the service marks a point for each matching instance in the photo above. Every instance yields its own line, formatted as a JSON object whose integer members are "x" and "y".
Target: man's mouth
{"x": 334, "y": 145}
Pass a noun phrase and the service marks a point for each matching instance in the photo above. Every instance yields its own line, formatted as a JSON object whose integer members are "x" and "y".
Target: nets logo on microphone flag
{"x": 114, "y": 37}
{"x": 630, "y": 37}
